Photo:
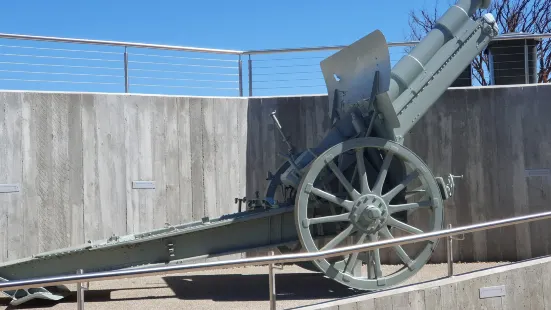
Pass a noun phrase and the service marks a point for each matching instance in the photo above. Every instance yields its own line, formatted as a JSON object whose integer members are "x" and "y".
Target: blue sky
{"x": 245, "y": 24}
{"x": 240, "y": 25}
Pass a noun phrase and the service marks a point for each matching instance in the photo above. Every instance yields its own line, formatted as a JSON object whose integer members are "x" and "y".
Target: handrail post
{"x": 126, "y": 84}
{"x": 271, "y": 279}
{"x": 80, "y": 293}
{"x": 240, "y": 64}
{"x": 449, "y": 249}
{"x": 250, "y": 76}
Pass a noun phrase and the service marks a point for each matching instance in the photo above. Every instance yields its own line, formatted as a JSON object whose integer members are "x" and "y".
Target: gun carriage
{"x": 359, "y": 184}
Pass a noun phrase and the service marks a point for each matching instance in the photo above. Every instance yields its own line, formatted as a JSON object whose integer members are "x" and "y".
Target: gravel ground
{"x": 237, "y": 288}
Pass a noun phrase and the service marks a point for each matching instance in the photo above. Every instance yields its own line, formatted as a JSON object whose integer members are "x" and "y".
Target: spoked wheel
{"x": 364, "y": 190}
{"x": 283, "y": 196}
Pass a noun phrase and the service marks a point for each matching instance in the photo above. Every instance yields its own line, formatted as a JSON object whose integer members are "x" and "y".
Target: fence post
{"x": 80, "y": 293}
{"x": 450, "y": 253}
{"x": 240, "y": 64}
{"x": 250, "y": 76}
{"x": 271, "y": 279}
{"x": 126, "y": 86}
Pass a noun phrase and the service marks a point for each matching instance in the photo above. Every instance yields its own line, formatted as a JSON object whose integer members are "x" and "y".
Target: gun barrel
{"x": 425, "y": 73}
{"x": 447, "y": 27}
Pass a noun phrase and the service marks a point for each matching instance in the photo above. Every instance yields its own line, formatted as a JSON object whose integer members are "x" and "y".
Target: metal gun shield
{"x": 349, "y": 74}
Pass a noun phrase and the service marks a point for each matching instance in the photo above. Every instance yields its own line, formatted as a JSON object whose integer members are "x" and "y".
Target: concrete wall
{"x": 525, "y": 288}
{"x": 489, "y": 135}
{"x": 76, "y": 155}
{"x": 492, "y": 136}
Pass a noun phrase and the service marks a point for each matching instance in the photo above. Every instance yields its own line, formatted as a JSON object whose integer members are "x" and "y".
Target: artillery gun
{"x": 359, "y": 184}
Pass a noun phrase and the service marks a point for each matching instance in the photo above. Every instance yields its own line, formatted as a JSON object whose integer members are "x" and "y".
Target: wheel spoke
{"x": 382, "y": 174}
{"x": 403, "y": 226}
{"x": 393, "y": 192}
{"x": 398, "y": 249}
{"x": 409, "y": 206}
{"x": 360, "y": 163}
{"x": 353, "y": 258}
{"x": 403, "y": 256}
{"x": 414, "y": 192}
{"x": 338, "y": 173}
{"x": 334, "y": 212}
{"x": 376, "y": 256}
{"x": 347, "y": 204}
{"x": 370, "y": 266}
{"x": 329, "y": 219}
{"x": 339, "y": 238}
{"x": 353, "y": 177}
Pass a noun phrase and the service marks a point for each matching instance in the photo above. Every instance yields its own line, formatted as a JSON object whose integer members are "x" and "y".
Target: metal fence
{"x": 63, "y": 64}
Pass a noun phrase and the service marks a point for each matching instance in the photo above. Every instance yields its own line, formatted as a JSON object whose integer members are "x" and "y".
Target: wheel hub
{"x": 369, "y": 213}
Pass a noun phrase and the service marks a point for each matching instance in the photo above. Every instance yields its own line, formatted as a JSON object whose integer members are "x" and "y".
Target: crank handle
{"x": 276, "y": 121}
{"x": 451, "y": 179}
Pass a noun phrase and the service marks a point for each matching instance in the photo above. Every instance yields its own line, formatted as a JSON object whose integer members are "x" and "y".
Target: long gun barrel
{"x": 447, "y": 27}
{"x": 421, "y": 77}
{"x": 361, "y": 85}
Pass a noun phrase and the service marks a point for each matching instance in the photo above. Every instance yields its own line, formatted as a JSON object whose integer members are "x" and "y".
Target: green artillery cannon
{"x": 359, "y": 184}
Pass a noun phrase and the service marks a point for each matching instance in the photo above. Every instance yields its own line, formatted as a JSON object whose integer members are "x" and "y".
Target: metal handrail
{"x": 503, "y": 37}
{"x": 236, "y": 52}
{"x": 121, "y": 44}
{"x": 266, "y": 260}
{"x": 318, "y": 48}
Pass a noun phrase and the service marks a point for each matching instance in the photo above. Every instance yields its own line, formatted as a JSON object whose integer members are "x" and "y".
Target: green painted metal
{"x": 234, "y": 233}
{"x": 441, "y": 71}
{"x": 344, "y": 187}
{"x": 367, "y": 210}
{"x": 373, "y": 107}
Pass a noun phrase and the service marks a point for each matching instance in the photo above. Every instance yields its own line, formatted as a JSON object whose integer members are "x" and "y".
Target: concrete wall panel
{"x": 76, "y": 155}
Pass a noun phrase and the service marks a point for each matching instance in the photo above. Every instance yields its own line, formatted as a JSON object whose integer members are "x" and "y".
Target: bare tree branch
{"x": 529, "y": 16}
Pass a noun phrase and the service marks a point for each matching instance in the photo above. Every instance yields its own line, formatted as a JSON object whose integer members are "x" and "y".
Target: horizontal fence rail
{"x": 44, "y": 63}
{"x": 266, "y": 260}
{"x": 119, "y": 44}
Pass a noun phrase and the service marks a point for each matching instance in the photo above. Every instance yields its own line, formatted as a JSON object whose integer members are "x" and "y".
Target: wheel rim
{"x": 366, "y": 210}
{"x": 283, "y": 196}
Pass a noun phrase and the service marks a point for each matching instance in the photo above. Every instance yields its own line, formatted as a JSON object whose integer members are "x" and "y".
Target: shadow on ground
{"x": 237, "y": 287}
{"x": 89, "y": 296}
{"x": 231, "y": 287}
